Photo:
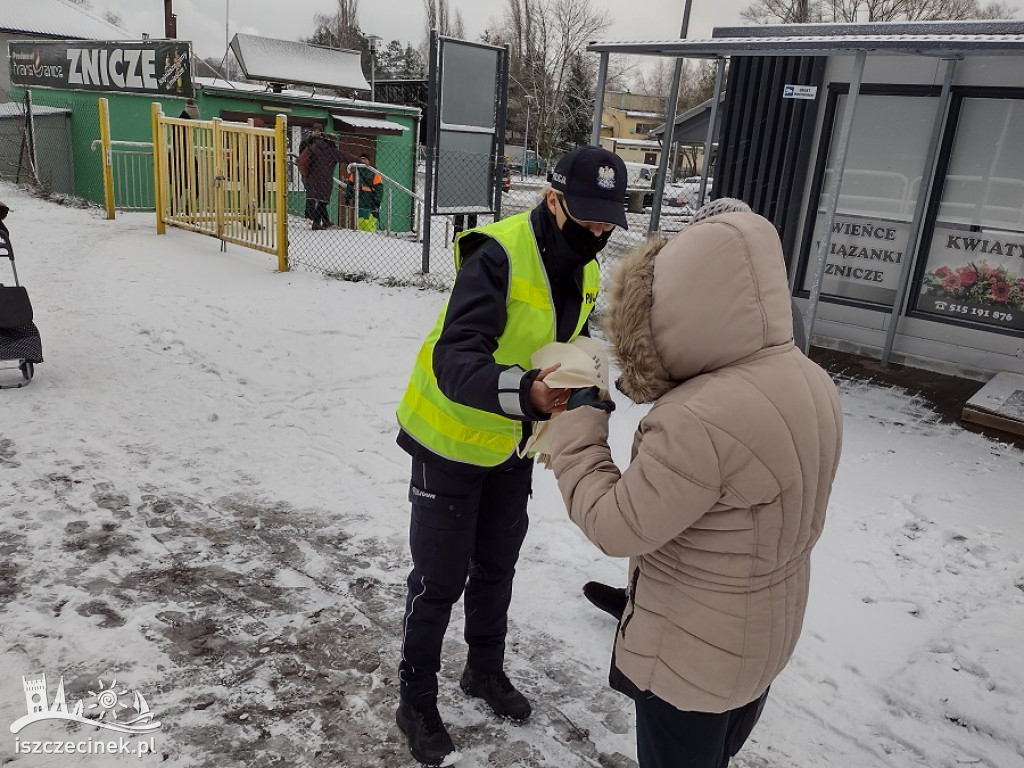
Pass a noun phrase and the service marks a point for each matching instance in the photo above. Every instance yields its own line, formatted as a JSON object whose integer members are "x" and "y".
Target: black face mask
{"x": 582, "y": 244}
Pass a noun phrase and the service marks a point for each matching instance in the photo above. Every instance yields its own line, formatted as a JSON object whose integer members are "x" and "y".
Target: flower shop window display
{"x": 975, "y": 267}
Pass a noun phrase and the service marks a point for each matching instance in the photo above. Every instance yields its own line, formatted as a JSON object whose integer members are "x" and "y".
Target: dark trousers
{"x": 465, "y": 535}
{"x": 667, "y": 737}
{"x": 319, "y": 213}
{"x": 310, "y": 206}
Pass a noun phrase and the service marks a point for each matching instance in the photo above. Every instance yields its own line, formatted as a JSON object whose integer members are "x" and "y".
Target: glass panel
{"x": 877, "y": 196}
{"x": 975, "y": 268}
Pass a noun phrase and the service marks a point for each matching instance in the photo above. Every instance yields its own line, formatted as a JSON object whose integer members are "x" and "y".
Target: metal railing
{"x": 390, "y": 186}
{"x": 131, "y": 165}
{"x": 227, "y": 180}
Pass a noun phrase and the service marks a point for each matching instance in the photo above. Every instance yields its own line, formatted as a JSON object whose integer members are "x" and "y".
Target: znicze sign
{"x": 161, "y": 68}
{"x": 864, "y": 258}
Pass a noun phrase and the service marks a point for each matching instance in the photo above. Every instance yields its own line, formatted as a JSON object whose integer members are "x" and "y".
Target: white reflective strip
{"x": 510, "y": 378}
{"x": 509, "y": 402}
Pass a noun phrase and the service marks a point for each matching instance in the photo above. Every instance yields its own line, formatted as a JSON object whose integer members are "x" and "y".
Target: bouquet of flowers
{"x": 978, "y": 284}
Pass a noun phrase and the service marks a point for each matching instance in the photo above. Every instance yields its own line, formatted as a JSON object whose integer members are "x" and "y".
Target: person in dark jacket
{"x": 303, "y": 166}
{"x": 191, "y": 110}
{"x": 324, "y": 157}
{"x": 183, "y": 196}
{"x": 521, "y": 283}
{"x": 366, "y": 192}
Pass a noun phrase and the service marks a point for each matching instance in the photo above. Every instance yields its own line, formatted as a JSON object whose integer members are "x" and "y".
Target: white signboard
{"x": 800, "y": 92}
{"x": 975, "y": 274}
{"x": 864, "y": 257}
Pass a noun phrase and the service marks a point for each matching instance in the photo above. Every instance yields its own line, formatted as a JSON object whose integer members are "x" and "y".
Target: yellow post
{"x": 158, "y": 168}
{"x": 281, "y": 188}
{"x": 219, "y": 144}
{"x": 108, "y": 172}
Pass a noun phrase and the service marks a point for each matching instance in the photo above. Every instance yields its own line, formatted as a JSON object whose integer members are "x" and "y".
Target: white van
{"x": 640, "y": 175}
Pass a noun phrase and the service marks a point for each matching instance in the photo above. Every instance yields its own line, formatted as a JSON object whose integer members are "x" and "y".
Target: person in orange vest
{"x": 369, "y": 187}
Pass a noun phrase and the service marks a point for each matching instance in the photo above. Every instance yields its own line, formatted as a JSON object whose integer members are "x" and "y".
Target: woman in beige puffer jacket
{"x": 727, "y": 488}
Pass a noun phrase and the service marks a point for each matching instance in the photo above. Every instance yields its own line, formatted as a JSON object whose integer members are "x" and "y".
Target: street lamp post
{"x": 373, "y": 40}
{"x": 526, "y": 135}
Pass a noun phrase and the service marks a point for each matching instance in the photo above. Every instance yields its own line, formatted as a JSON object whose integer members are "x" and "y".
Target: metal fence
{"x": 393, "y": 252}
{"x": 221, "y": 179}
{"x": 387, "y": 247}
{"x": 37, "y": 138}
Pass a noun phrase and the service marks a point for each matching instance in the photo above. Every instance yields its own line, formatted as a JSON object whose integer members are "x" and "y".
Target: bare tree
{"x": 440, "y": 17}
{"x": 852, "y": 11}
{"x": 339, "y": 29}
{"x": 546, "y": 38}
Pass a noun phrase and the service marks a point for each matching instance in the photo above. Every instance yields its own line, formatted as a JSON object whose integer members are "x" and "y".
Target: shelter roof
{"x": 923, "y": 39}
{"x": 371, "y": 124}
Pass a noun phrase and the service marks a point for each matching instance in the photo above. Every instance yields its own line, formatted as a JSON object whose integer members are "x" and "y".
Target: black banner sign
{"x": 158, "y": 67}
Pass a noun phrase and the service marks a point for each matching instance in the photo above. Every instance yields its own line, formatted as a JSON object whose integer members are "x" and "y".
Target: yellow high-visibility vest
{"x": 469, "y": 435}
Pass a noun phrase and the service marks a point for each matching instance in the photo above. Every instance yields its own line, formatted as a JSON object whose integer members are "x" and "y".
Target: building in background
{"x": 626, "y": 122}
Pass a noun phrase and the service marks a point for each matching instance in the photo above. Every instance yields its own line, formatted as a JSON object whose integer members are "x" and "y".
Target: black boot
{"x": 497, "y": 690}
{"x": 609, "y": 599}
{"x": 429, "y": 741}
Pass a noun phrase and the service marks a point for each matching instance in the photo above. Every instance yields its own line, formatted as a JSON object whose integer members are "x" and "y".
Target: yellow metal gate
{"x": 227, "y": 180}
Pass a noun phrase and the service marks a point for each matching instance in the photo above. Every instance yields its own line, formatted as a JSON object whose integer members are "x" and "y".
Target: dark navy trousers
{"x": 667, "y": 737}
{"x": 465, "y": 535}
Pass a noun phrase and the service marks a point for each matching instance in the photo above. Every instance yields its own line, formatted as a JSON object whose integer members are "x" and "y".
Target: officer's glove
{"x": 589, "y": 396}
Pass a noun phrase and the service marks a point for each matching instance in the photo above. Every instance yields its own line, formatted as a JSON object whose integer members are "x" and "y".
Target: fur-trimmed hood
{"x": 711, "y": 296}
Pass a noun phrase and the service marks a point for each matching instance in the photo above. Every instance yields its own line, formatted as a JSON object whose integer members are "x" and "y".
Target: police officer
{"x": 521, "y": 283}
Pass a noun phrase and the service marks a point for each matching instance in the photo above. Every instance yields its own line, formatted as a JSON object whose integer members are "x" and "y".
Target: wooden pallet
{"x": 999, "y": 404}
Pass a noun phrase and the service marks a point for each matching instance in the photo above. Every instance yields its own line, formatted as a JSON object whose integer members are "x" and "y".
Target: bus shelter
{"x": 888, "y": 157}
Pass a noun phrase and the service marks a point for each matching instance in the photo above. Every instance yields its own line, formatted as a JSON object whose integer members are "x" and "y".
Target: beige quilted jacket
{"x": 732, "y": 467}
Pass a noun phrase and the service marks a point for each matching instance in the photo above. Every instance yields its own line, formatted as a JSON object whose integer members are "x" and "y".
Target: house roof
{"x": 232, "y": 88}
{"x": 641, "y": 143}
{"x": 691, "y": 125}
{"x": 14, "y": 109}
{"x": 57, "y": 19}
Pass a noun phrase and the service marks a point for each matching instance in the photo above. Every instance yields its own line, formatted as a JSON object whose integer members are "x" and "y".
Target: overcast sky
{"x": 203, "y": 21}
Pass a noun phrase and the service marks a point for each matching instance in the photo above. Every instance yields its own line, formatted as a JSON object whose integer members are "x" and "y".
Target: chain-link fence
{"x": 377, "y": 230}
{"x": 37, "y": 136}
{"x": 374, "y": 209}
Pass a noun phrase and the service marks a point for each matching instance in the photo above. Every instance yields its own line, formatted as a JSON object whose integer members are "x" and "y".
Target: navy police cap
{"x": 593, "y": 182}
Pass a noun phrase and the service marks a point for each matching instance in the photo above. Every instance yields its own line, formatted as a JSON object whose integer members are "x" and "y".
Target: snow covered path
{"x": 201, "y": 496}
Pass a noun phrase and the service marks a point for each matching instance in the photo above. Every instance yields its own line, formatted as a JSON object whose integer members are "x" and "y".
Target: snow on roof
{"x": 371, "y": 124}
{"x": 15, "y": 109}
{"x": 58, "y": 19}
{"x": 658, "y": 115}
{"x": 636, "y": 143}
{"x": 285, "y": 61}
{"x": 224, "y": 86}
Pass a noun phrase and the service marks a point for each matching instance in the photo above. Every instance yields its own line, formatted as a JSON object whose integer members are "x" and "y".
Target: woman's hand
{"x": 545, "y": 399}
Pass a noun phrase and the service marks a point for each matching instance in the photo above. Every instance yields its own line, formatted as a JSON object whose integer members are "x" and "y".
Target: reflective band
{"x": 511, "y": 378}
{"x": 509, "y": 402}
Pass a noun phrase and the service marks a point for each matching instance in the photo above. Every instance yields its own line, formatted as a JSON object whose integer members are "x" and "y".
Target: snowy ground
{"x": 200, "y": 496}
